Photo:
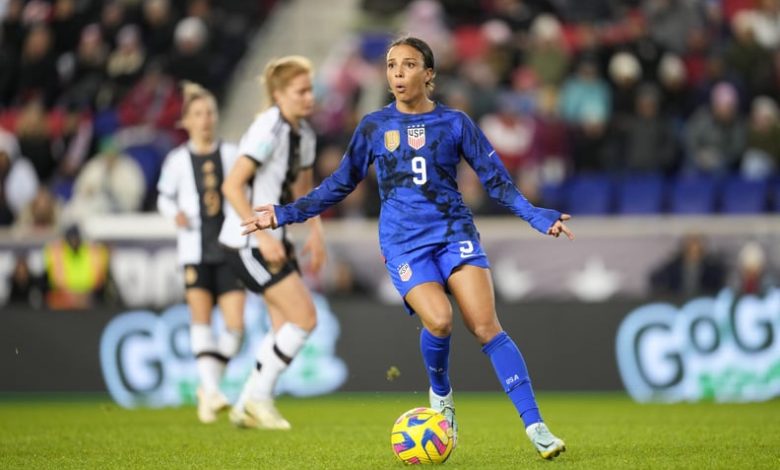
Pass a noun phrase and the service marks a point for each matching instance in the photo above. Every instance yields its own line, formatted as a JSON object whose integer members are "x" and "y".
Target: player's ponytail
{"x": 279, "y": 72}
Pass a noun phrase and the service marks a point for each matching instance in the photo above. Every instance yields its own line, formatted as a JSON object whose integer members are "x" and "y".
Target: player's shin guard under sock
{"x": 210, "y": 361}
{"x": 436, "y": 355}
{"x": 273, "y": 357}
{"x": 512, "y": 373}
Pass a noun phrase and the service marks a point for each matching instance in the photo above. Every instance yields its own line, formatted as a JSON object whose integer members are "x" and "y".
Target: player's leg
{"x": 473, "y": 290}
{"x": 292, "y": 310}
{"x": 210, "y": 361}
{"x": 431, "y": 304}
{"x": 231, "y": 298}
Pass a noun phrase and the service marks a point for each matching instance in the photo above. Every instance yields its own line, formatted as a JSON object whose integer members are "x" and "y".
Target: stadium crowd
{"x": 89, "y": 97}
{"x": 597, "y": 107}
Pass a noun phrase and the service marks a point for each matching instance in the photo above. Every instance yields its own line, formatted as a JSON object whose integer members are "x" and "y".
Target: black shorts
{"x": 249, "y": 265}
{"x": 217, "y": 278}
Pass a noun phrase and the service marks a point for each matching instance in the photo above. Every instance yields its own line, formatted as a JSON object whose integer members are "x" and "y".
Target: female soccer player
{"x": 189, "y": 194}
{"x": 276, "y": 158}
{"x": 426, "y": 233}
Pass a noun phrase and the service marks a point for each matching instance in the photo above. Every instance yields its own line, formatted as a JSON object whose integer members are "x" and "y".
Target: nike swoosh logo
{"x": 464, "y": 255}
{"x": 546, "y": 445}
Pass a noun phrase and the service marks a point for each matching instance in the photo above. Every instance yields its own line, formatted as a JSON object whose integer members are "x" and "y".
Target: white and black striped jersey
{"x": 191, "y": 184}
{"x": 280, "y": 154}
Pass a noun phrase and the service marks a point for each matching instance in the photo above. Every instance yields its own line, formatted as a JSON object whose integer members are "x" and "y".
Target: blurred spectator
{"x": 191, "y": 59}
{"x": 625, "y": 73}
{"x": 85, "y": 70}
{"x": 512, "y": 135}
{"x": 546, "y": 55}
{"x": 76, "y": 271}
{"x": 18, "y": 181}
{"x": 592, "y": 147}
{"x": 42, "y": 213}
{"x": 112, "y": 18}
{"x": 158, "y": 25}
{"x": 752, "y": 274}
{"x": 648, "y": 140}
{"x": 154, "y": 101}
{"x": 26, "y": 287}
{"x": 693, "y": 270}
{"x": 110, "y": 183}
{"x": 34, "y": 134}
{"x": 762, "y": 157}
{"x": 716, "y": 135}
{"x": 750, "y": 62}
{"x": 66, "y": 25}
{"x": 674, "y": 88}
{"x": 767, "y": 24}
{"x": 585, "y": 96}
{"x": 37, "y": 68}
{"x": 671, "y": 21}
{"x": 125, "y": 64}
{"x": 552, "y": 140}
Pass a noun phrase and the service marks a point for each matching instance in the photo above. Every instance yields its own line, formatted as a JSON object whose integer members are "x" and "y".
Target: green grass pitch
{"x": 344, "y": 431}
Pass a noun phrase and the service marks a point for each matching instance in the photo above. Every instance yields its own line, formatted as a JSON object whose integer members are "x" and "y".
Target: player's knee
{"x": 308, "y": 322}
{"x": 439, "y": 324}
{"x": 486, "y": 332}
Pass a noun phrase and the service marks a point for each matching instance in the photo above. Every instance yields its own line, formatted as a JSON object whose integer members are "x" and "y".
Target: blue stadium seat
{"x": 741, "y": 196}
{"x": 553, "y": 195}
{"x": 589, "y": 194}
{"x": 106, "y": 123}
{"x": 774, "y": 190}
{"x": 693, "y": 194}
{"x": 150, "y": 161}
{"x": 641, "y": 194}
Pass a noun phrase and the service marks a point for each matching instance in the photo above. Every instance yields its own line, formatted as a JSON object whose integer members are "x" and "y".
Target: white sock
{"x": 210, "y": 362}
{"x": 230, "y": 343}
{"x": 273, "y": 356}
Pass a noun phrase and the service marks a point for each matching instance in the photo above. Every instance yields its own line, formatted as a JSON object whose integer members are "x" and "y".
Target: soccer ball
{"x": 422, "y": 436}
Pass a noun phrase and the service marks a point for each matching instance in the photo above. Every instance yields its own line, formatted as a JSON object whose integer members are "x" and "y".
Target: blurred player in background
{"x": 276, "y": 158}
{"x": 190, "y": 195}
{"x": 427, "y": 235}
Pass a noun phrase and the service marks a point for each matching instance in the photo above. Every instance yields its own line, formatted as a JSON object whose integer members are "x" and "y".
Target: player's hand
{"x": 272, "y": 249}
{"x": 265, "y": 218}
{"x": 181, "y": 220}
{"x": 315, "y": 249}
{"x": 559, "y": 227}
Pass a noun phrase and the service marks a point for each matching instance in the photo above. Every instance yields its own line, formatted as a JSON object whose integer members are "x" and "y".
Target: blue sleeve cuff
{"x": 281, "y": 215}
{"x": 542, "y": 219}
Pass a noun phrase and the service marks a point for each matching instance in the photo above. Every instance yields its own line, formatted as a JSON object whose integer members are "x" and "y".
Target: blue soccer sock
{"x": 436, "y": 355}
{"x": 513, "y": 375}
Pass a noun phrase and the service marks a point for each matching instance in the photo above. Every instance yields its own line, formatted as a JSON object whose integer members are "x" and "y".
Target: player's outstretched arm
{"x": 559, "y": 228}
{"x": 264, "y": 218}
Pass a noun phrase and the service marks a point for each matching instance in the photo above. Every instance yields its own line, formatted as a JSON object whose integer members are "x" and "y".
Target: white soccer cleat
{"x": 240, "y": 418}
{"x": 544, "y": 441}
{"x": 265, "y": 414}
{"x": 209, "y": 404}
{"x": 446, "y": 406}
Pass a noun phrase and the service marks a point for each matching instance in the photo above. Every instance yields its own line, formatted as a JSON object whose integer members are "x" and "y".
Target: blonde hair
{"x": 192, "y": 92}
{"x": 279, "y": 72}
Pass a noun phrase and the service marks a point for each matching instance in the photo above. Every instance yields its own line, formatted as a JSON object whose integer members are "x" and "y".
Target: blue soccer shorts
{"x": 432, "y": 263}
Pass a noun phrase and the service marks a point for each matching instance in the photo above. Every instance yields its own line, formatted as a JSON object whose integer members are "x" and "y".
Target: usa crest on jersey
{"x": 405, "y": 272}
{"x": 415, "y": 136}
{"x": 392, "y": 140}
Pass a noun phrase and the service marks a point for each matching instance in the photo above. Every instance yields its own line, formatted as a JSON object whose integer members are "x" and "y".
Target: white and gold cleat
{"x": 265, "y": 414}
{"x": 209, "y": 404}
{"x": 544, "y": 441}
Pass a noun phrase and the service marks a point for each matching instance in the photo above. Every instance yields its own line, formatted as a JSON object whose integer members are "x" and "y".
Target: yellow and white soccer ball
{"x": 422, "y": 436}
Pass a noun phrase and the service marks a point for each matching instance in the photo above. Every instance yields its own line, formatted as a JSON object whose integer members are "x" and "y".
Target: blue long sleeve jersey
{"x": 416, "y": 157}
